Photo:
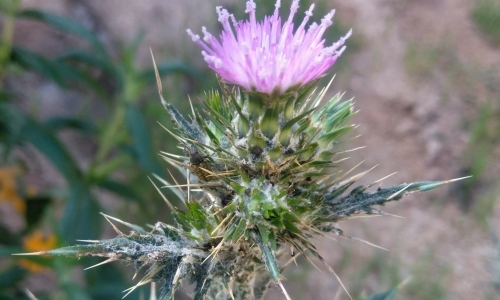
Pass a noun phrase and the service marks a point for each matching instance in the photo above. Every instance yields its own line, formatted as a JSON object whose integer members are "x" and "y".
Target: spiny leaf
{"x": 330, "y": 137}
{"x": 268, "y": 257}
{"x": 356, "y": 202}
{"x": 183, "y": 124}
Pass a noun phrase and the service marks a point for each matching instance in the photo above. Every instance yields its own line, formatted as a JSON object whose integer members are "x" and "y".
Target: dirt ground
{"x": 416, "y": 79}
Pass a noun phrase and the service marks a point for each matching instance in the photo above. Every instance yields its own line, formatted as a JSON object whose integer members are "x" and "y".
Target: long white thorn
{"x": 163, "y": 196}
{"x": 157, "y": 74}
{"x": 398, "y": 192}
{"x": 131, "y": 289}
{"x": 175, "y": 180}
{"x": 383, "y": 178}
{"x": 284, "y": 291}
{"x": 152, "y": 294}
{"x": 29, "y": 294}
{"x": 188, "y": 181}
{"x": 176, "y": 191}
{"x": 111, "y": 259}
{"x": 192, "y": 108}
{"x": 366, "y": 242}
{"x": 112, "y": 224}
{"x": 338, "y": 278}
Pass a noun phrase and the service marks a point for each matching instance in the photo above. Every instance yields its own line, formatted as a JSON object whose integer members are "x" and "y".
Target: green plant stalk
{"x": 113, "y": 132}
{"x": 7, "y": 35}
{"x": 110, "y": 136}
{"x": 104, "y": 169}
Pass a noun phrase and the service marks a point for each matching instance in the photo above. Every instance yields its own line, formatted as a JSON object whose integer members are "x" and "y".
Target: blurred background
{"x": 79, "y": 133}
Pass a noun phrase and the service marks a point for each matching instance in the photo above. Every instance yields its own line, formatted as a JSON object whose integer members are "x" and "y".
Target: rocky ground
{"x": 419, "y": 71}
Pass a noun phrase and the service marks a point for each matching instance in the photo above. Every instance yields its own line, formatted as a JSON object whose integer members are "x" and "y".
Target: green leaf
{"x": 80, "y": 215}
{"x": 240, "y": 229}
{"x": 118, "y": 188}
{"x": 11, "y": 277}
{"x": 33, "y": 61}
{"x": 60, "y": 73}
{"x": 231, "y": 207}
{"x": 80, "y": 218}
{"x": 268, "y": 257}
{"x": 328, "y": 138}
{"x": 45, "y": 141}
{"x": 357, "y": 201}
{"x": 286, "y": 130}
{"x": 290, "y": 227}
{"x": 106, "y": 283}
{"x": 60, "y": 123}
{"x": 269, "y": 123}
{"x": 141, "y": 140}
{"x": 73, "y": 75}
{"x": 6, "y": 237}
{"x": 264, "y": 233}
{"x": 87, "y": 58}
{"x": 6, "y": 95}
{"x": 75, "y": 292}
{"x": 35, "y": 208}
{"x": 389, "y": 295}
{"x": 66, "y": 25}
{"x": 191, "y": 130}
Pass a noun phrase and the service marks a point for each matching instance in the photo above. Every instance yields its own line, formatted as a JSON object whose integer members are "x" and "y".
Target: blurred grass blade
{"x": 46, "y": 142}
{"x": 74, "y": 291}
{"x": 71, "y": 74}
{"x": 168, "y": 68}
{"x": 129, "y": 53}
{"x": 6, "y": 95}
{"x": 88, "y": 59}
{"x": 118, "y": 188}
{"x": 59, "y": 72}
{"x": 389, "y": 295}
{"x": 35, "y": 209}
{"x": 80, "y": 219}
{"x": 141, "y": 140}
{"x": 11, "y": 276}
{"x": 60, "y": 123}
{"x": 33, "y": 61}
{"x": 66, "y": 25}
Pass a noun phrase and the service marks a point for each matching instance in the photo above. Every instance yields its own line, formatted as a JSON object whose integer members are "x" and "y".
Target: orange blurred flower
{"x": 8, "y": 188}
{"x": 37, "y": 241}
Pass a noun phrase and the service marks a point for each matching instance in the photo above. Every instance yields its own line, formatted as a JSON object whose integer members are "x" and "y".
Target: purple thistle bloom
{"x": 267, "y": 56}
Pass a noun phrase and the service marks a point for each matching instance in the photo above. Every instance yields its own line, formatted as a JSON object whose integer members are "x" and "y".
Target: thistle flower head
{"x": 269, "y": 56}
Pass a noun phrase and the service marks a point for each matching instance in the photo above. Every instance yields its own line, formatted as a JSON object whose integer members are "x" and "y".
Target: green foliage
{"x": 124, "y": 140}
{"x": 389, "y": 295}
{"x": 420, "y": 61}
{"x": 484, "y": 140}
{"x": 486, "y": 15}
{"x": 429, "y": 280}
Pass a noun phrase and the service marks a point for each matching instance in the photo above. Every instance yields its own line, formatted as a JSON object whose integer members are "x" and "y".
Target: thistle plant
{"x": 262, "y": 163}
